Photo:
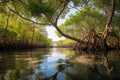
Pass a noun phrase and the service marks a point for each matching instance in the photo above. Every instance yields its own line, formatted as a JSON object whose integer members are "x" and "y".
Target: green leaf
{"x": 40, "y": 9}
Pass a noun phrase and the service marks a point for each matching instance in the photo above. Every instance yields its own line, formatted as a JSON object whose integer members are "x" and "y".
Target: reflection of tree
{"x": 101, "y": 68}
{"x": 59, "y": 68}
{"x": 18, "y": 65}
{"x": 5, "y": 61}
{"x": 13, "y": 74}
{"x": 106, "y": 64}
{"x": 113, "y": 62}
{"x": 98, "y": 68}
{"x": 89, "y": 67}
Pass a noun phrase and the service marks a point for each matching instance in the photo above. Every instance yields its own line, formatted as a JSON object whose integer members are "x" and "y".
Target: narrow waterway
{"x": 59, "y": 64}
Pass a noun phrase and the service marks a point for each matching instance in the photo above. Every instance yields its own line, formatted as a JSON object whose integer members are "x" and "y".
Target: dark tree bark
{"x": 67, "y": 36}
{"x": 59, "y": 30}
{"x": 107, "y": 27}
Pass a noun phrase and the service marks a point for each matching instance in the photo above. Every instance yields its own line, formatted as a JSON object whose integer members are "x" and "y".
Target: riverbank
{"x": 13, "y": 46}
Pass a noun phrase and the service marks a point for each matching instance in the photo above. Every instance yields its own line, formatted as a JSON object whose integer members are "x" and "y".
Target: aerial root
{"x": 94, "y": 41}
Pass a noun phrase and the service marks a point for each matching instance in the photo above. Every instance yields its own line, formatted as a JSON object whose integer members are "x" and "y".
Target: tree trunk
{"x": 68, "y": 36}
{"x": 33, "y": 33}
{"x": 107, "y": 27}
{"x": 5, "y": 31}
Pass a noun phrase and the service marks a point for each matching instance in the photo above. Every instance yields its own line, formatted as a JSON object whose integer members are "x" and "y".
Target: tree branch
{"x": 59, "y": 30}
{"x": 4, "y": 37}
{"x": 74, "y": 7}
{"x": 7, "y": 22}
{"x": 64, "y": 6}
{"x": 109, "y": 20}
{"x": 67, "y": 36}
{"x": 112, "y": 13}
{"x": 22, "y": 2}
{"x": 17, "y": 13}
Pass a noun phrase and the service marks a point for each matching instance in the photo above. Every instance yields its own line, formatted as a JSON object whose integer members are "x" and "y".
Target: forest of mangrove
{"x": 88, "y": 47}
{"x": 88, "y": 24}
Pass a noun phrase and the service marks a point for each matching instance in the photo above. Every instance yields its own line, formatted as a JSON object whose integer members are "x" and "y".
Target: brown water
{"x": 59, "y": 64}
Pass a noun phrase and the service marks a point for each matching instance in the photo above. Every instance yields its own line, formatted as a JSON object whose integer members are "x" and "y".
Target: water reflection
{"x": 99, "y": 66}
{"x": 59, "y": 64}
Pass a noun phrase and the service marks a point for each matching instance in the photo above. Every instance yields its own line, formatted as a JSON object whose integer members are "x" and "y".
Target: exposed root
{"x": 94, "y": 41}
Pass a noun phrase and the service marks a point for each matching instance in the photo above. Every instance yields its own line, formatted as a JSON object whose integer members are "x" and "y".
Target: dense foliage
{"x": 18, "y": 33}
{"x": 67, "y": 43}
{"x": 94, "y": 17}
{"x": 95, "y": 21}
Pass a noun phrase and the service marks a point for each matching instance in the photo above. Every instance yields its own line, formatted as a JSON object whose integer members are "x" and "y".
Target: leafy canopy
{"x": 40, "y": 9}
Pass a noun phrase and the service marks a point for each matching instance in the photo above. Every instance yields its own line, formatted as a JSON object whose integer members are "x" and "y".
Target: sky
{"x": 51, "y": 34}
{"x": 51, "y": 30}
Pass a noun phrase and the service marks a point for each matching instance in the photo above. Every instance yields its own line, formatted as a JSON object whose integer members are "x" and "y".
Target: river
{"x": 59, "y": 64}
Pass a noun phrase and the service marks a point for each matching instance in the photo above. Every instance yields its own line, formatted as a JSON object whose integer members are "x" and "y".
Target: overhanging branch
{"x": 67, "y": 36}
{"x": 112, "y": 13}
{"x": 107, "y": 27}
{"x": 59, "y": 30}
{"x": 64, "y": 6}
{"x": 17, "y": 13}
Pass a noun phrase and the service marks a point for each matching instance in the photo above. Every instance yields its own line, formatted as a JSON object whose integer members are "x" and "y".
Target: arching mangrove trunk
{"x": 107, "y": 27}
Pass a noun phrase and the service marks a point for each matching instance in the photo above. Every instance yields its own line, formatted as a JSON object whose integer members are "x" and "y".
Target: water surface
{"x": 59, "y": 64}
